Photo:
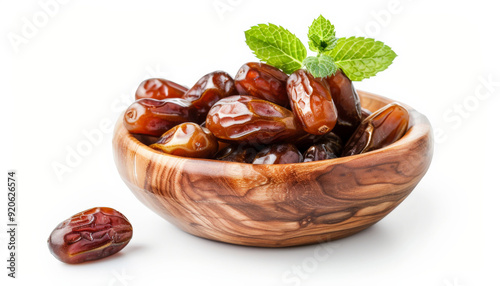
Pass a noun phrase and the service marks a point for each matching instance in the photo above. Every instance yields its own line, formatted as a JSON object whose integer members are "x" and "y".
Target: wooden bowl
{"x": 277, "y": 205}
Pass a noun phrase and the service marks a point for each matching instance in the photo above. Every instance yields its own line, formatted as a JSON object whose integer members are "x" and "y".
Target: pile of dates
{"x": 262, "y": 116}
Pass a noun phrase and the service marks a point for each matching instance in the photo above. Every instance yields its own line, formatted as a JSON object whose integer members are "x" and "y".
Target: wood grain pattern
{"x": 277, "y": 205}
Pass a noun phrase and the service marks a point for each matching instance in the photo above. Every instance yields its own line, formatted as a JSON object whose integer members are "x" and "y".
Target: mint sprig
{"x": 358, "y": 57}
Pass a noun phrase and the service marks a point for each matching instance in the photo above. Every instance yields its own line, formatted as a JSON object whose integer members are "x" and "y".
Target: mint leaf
{"x": 361, "y": 57}
{"x": 320, "y": 66}
{"x": 321, "y": 35}
{"x": 276, "y": 46}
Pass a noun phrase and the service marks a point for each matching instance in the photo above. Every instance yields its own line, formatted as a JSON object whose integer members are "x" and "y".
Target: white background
{"x": 80, "y": 66}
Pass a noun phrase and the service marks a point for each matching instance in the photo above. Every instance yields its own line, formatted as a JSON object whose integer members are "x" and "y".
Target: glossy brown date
{"x": 333, "y": 142}
{"x": 262, "y": 81}
{"x": 155, "y": 117}
{"x": 159, "y": 88}
{"x": 318, "y": 152}
{"x": 328, "y": 147}
{"x": 385, "y": 126}
{"x": 365, "y": 113}
{"x": 248, "y": 119}
{"x": 278, "y": 154}
{"x": 209, "y": 89}
{"x": 90, "y": 235}
{"x": 347, "y": 102}
{"x": 188, "y": 140}
{"x": 237, "y": 153}
{"x": 311, "y": 102}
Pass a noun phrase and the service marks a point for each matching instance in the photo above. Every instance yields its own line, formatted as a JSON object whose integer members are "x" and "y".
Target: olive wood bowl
{"x": 277, "y": 205}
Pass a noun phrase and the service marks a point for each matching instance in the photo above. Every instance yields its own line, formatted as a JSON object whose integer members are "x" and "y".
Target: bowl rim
{"x": 418, "y": 128}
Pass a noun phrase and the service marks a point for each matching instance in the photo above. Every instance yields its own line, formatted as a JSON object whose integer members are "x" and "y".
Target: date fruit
{"x": 159, "y": 88}
{"x": 187, "y": 140}
{"x": 278, "y": 154}
{"x": 90, "y": 235}
{"x": 209, "y": 89}
{"x": 347, "y": 102}
{"x": 311, "y": 102}
{"x": 328, "y": 146}
{"x": 333, "y": 141}
{"x": 155, "y": 117}
{"x": 365, "y": 113}
{"x": 383, "y": 127}
{"x": 248, "y": 119}
{"x": 318, "y": 152}
{"x": 262, "y": 81}
{"x": 237, "y": 153}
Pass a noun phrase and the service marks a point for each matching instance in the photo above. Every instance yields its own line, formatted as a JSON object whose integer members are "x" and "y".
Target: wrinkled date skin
{"x": 333, "y": 142}
{"x": 311, "y": 102}
{"x": 328, "y": 147}
{"x": 188, "y": 140}
{"x": 262, "y": 81}
{"x": 209, "y": 89}
{"x": 90, "y": 235}
{"x": 248, "y": 119}
{"x": 278, "y": 154}
{"x": 347, "y": 103}
{"x": 237, "y": 153}
{"x": 155, "y": 117}
{"x": 318, "y": 152}
{"x": 159, "y": 88}
{"x": 383, "y": 127}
